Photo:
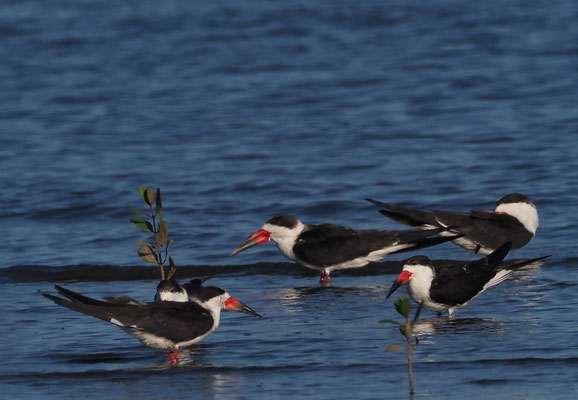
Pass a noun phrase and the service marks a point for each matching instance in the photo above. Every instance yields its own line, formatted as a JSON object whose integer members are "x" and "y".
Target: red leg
{"x": 174, "y": 355}
{"x": 327, "y": 278}
{"x": 322, "y": 279}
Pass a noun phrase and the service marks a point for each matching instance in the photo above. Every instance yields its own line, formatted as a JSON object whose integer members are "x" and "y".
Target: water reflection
{"x": 190, "y": 357}
{"x": 300, "y": 292}
{"x": 456, "y": 325}
{"x": 297, "y": 299}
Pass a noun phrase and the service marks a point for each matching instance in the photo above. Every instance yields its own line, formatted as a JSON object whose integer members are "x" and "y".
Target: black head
{"x": 286, "y": 221}
{"x": 170, "y": 290}
{"x": 169, "y": 285}
{"x": 513, "y": 198}
{"x": 203, "y": 294}
{"x": 418, "y": 260}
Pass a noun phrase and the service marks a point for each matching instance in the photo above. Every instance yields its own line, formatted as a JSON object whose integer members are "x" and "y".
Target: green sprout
{"x": 403, "y": 307}
{"x": 153, "y": 253}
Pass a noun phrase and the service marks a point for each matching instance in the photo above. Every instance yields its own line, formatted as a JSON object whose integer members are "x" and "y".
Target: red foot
{"x": 174, "y": 356}
{"x": 325, "y": 278}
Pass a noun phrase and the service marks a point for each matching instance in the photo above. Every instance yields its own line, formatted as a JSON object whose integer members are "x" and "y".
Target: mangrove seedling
{"x": 152, "y": 221}
{"x": 403, "y": 307}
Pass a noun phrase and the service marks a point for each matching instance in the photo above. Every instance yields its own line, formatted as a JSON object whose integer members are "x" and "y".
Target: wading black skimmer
{"x": 329, "y": 247}
{"x": 515, "y": 219}
{"x": 161, "y": 324}
{"x": 453, "y": 286}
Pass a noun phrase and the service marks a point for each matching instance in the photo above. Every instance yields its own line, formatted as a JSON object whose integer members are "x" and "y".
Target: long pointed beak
{"x": 402, "y": 279}
{"x": 235, "y": 305}
{"x": 259, "y": 237}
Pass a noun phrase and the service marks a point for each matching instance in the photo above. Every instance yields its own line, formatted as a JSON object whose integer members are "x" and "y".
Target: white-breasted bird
{"x": 329, "y": 247}
{"x": 450, "y": 287}
{"x": 160, "y": 324}
{"x": 515, "y": 219}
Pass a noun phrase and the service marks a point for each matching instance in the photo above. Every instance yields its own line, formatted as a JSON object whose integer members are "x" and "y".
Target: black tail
{"x": 498, "y": 255}
{"x": 428, "y": 242}
{"x": 78, "y": 298}
{"x": 523, "y": 263}
{"x": 94, "y": 310}
{"x": 405, "y": 216}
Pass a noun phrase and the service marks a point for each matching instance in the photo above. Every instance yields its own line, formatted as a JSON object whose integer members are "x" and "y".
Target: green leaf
{"x": 171, "y": 262}
{"x": 142, "y": 224}
{"x": 141, "y": 243}
{"x": 169, "y": 244}
{"x": 395, "y": 347}
{"x": 403, "y": 330}
{"x": 389, "y": 321}
{"x": 142, "y": 189}
{"x": 159, "y": 204}
{"x": 148, "y": 254}
{"x": 146, "y": 192}
{"x": 149, "y": 196}
{"x": 403, "y": 306}
{"x": 163, "y": 231}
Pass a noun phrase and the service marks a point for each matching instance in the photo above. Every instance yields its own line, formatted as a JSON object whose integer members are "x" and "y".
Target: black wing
{"x": 457, "y": 284}
{"x": 122, "y": 300}
{"x": 487, "y": 228}
{"x": 171, "y": 320}
{"x": 177, "y": 322}
{"x": 327, "y": 244}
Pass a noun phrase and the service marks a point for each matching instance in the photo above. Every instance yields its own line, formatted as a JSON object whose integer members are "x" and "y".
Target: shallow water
{"x": 242, "y": 112}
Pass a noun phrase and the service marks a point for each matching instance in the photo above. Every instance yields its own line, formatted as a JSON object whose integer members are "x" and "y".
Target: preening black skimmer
{"x": 161, "y": 324}
{"x": 330, "y": 247}
{"x": 171, "y": 290}
{"x": 451, "y": 287}
{"x": 514, "y": 219}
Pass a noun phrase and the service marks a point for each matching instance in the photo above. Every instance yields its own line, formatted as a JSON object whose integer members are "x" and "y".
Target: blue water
{"x": 241, "y": 111}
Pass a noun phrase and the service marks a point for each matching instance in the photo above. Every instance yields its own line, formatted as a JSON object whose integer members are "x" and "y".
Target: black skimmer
{"x": 514, "y": 219}
{"x": 329, "y": 247}
{"x": 451, "y": 287}
{"x": 171, "y": 290}
{"x": 161, "y": 324}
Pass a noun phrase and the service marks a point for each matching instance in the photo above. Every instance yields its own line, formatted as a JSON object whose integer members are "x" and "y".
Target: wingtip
{"x": 498, "y": 255}
{"x": 377, "y": 202}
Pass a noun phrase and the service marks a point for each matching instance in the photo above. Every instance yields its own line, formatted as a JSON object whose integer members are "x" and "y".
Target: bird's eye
{"x": 174, "y": 290}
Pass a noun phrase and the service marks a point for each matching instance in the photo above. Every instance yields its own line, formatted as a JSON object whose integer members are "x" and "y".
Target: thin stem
{"x": 410, "y": 371}
{"x": 159, "y": 254}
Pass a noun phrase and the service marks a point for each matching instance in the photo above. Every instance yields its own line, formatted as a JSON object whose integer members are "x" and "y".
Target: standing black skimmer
{"x": 162, "y": 324}
{"x": 514, "y": 219}
{"x": 328, "y": 247}
{"x": 453, "y": 286}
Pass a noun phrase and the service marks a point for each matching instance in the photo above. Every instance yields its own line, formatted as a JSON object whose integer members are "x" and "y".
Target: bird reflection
{"x": 189, "y": 357}
{"x": 452, "y": 324}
